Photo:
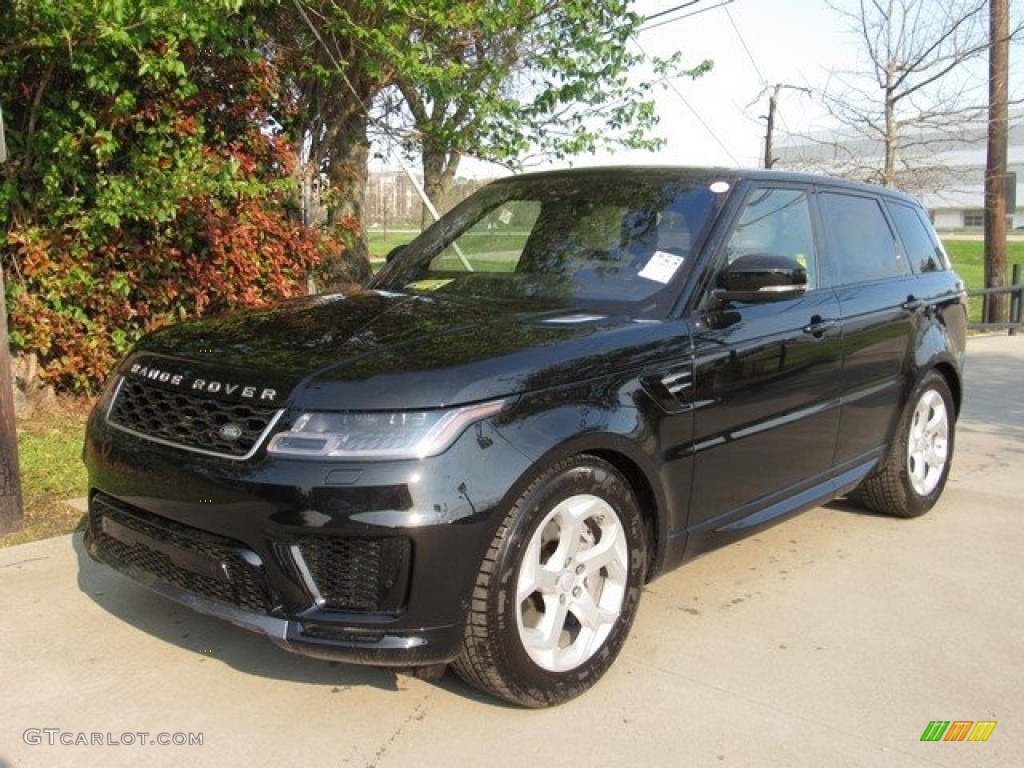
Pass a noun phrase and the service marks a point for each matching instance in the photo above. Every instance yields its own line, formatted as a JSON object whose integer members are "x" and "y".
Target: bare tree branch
{"x": 920, "y": 85}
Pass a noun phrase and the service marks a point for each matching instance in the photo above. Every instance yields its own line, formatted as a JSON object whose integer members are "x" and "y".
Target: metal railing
{"x": 1016, "y": 291}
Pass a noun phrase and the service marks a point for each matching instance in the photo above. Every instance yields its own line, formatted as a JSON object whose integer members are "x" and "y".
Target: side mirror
{"x": 761, "y": 277}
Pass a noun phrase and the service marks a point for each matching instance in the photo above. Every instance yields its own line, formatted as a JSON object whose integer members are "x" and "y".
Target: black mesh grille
{"x": 190, "y": 420}
{"x": 154, "y": 544}
{"x": 358, "y": 574}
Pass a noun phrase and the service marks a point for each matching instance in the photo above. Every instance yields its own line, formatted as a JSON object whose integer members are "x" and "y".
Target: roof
{"x": 670, "y": 172}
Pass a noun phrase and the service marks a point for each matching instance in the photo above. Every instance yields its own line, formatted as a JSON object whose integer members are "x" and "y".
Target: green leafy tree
{"x": 335, "y": 56}
{"x": 505, "y": 82}
{"x": 140, "y": 188}
{"x": 489, "y": 78}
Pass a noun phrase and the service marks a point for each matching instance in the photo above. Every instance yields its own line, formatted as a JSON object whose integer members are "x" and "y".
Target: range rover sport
{"x": 570, "y": 384}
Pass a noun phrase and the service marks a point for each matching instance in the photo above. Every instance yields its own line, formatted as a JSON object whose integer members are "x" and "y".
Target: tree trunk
{"x": 348, "y": 155}
{"x": 892, "y": 134}
{"x": 439, "y": 167}
{"x": 995, "y": 170}
{"x": 10, "y": 469}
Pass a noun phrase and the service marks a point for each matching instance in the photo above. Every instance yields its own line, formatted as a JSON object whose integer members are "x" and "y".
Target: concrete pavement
{"x": 830, "y": 640}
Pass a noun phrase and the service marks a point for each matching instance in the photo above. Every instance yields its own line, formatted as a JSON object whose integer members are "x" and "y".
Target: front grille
{"x": 358, "y": 573}
{"x": 176, "y": 554}
{"x": 191, "y": 421}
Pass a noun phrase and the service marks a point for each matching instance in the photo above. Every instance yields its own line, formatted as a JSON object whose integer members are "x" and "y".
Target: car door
{"x": 766, "y": 376}
{"x": 876, "y": 291}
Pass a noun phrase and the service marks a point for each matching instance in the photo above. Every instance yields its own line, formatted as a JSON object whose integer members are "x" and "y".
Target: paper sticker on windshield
{"x": 662, "y": 267}
{"x": 429, "y": 285}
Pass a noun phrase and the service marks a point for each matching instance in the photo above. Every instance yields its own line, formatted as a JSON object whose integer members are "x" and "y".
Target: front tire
{"x": 558, "y": 589}
{"x": 915, "y": 471}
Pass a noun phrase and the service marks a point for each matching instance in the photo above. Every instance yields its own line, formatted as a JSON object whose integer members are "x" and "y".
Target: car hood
{"x": 375, "y": 350}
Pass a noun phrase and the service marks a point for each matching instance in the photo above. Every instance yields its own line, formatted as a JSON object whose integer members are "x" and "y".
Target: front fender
{"x": 551, "y": 426}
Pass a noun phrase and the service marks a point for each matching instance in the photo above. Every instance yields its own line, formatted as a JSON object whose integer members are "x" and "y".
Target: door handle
{"x": 818, "y": 326}
{"x": 912, "y": 304}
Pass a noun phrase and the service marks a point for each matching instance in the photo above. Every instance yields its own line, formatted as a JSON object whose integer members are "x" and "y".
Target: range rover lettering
{"x": 572, "y": 383}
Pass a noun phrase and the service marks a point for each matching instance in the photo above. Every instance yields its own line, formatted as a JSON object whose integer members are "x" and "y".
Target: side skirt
{"x": 760, "y": 514}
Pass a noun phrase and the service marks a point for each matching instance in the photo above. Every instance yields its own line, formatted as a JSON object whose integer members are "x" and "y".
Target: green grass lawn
{"x": 380, "y": 242}
{"x": 968, "y": 258}
{"x": 488, "y": 252}
{"x": 50, "y": 453}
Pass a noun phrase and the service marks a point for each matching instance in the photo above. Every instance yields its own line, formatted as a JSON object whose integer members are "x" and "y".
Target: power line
{"x": 753, "y": 63}
{"x": 679, "y": 7}
{"x": 699, "y": 11}
{"x": 701, "y": 120}
{"x": 746, "y": 47}
{"x": 686, "y": 103}
{"x": 767, "y": 87}
{"x": 386, "y": 129}
{"x": 389, "y": 132}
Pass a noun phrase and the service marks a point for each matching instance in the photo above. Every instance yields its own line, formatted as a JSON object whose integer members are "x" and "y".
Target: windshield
{"x": 611, "y": 242}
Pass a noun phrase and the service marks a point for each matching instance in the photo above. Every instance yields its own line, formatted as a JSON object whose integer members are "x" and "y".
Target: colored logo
{"x": 958, "y": 730}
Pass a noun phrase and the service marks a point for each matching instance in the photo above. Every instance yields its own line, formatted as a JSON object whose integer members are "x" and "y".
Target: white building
{"x": 391, "y": 199}
{"x": 946, "y": 173}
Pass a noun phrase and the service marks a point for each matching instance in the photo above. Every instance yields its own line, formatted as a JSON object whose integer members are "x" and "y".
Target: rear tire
{"x": 558, "y": 589}
{"x": 914, "y": 472}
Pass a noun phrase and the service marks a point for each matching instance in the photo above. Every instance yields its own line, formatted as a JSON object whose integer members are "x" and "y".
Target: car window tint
{"x": 922, "y": 248}
{"x": 575, "y": 234}
{"x": 862, "y": 242}
{"x": 776, "y": 222}
{"x": 616, "y": 244}
{"x": 494, "y": 243}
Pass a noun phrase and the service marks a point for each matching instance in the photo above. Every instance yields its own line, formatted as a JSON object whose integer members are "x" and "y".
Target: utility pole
{"x": 10, "y": 467}
{"x": 995, "y": 167}
{"x": 773, "y": 106}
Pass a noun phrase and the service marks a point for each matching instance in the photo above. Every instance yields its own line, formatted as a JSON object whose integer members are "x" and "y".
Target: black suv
{"x": 570, "y": 384}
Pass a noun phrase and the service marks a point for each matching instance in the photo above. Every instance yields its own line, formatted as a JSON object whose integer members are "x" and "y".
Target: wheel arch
{"x": 939, "y": 347}
{"x": 646, "y": 499}
{"x": 634, "y": 465}
{"x": 952, "y": 377}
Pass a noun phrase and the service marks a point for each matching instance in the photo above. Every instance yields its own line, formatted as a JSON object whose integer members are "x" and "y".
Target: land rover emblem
{"x": 230, "y": 432}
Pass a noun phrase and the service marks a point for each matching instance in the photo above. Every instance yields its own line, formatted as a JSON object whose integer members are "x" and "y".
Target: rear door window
{"x": 863, "y": 246}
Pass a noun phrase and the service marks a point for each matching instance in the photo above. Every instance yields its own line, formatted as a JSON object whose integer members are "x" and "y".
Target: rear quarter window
{"x": 920, "y": 243}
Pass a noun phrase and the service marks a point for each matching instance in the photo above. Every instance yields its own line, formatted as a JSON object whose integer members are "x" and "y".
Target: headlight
{"x": 375, "y": 435}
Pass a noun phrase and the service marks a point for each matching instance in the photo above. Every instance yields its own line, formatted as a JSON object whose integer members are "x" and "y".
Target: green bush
{"x": 142, "y": 187}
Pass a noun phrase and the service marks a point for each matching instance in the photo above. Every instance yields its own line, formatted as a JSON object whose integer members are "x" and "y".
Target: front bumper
{"x": 372, "y": 563}
{"x": 180, "y": 572}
